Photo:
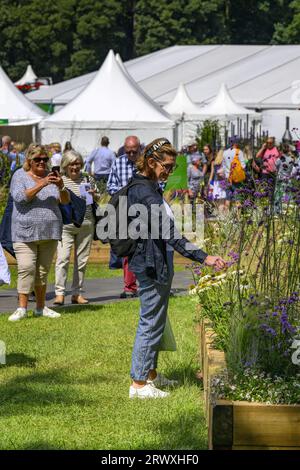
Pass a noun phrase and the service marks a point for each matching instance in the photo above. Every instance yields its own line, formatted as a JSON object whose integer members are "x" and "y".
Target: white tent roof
{"x": 109, "y": 101}
{"x": 14, "y": 106}
{"x": 28, "y": 77}
{"x": 258, "y": 76}
{"x": 182, "y": 104}
{"x": 224, "y": 105}
{"x": 136, "y": 85}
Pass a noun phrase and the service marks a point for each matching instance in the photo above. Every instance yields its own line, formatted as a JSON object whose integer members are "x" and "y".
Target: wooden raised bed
{"x": 237, "y": 425}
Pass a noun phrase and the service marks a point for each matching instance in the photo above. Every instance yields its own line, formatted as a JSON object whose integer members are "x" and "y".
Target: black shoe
{"x": 133, "y": 295}
{"x": 128, "y": 295}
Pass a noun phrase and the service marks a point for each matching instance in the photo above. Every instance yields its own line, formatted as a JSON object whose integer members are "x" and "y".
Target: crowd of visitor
{"x": 234, "y": 167}
{"x": 53, "y": 196}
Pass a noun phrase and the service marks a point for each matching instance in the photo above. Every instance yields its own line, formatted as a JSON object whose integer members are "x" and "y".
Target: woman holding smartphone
{"x": 36, "y": 227}
{"x": 78, "y": 237}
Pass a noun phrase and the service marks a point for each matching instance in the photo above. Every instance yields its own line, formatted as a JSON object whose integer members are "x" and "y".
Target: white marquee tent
{"x": 259, "y": 77}
{"x": 186, "y": 114}
{"x": 18, "y": 115}
{"x": 28, "y": 77}
{"x": 224, "y": 105}
{"x": 110, "y": 105}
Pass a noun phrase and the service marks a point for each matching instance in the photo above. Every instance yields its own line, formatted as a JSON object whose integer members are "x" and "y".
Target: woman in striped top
{"x": 80, "y": 238}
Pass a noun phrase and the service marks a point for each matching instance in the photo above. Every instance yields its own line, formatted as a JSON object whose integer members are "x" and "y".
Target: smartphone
{"x": 55, "y": 170}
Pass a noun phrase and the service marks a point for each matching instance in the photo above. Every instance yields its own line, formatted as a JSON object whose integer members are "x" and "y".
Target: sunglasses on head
{"x": 41, "y": 159}
{"x": 156, "y": 146}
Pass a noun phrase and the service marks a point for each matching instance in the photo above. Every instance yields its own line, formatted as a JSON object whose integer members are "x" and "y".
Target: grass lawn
{"x": 65, "y": 384}
{"x": 93, "y": 271}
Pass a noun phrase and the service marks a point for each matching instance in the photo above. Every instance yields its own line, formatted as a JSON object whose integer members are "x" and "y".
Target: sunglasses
{"x": 167, "y": 168}
{"x": 40, "y": 160}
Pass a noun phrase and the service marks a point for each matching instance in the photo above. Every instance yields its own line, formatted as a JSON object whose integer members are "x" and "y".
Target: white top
{"x": 228, "y": 156}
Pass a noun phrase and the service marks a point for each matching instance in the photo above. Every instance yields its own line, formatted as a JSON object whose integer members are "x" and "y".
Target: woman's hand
{"x": 191, "y": 193}
{"x": 92, "y": 192}
{"x": 55, "y": 178}
{"x": 215, "y": 261}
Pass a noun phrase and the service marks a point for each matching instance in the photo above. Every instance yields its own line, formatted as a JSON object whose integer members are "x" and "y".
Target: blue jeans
{"x": 154, "y": 299}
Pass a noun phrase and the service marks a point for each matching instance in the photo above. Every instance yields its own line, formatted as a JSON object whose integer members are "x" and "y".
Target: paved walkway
{"x": 97, "y": 291}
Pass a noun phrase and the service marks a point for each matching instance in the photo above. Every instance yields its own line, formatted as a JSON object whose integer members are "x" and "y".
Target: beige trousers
{"x": 81, "y": 238}
{"x": 34, "y": 262}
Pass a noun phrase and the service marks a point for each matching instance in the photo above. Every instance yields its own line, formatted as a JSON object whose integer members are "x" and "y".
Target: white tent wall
{"x": 275, "y": 121}
{"x": 85, "y": 140}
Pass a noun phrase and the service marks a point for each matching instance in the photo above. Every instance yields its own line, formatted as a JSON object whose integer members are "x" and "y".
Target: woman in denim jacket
{"x": 152, "y": 266}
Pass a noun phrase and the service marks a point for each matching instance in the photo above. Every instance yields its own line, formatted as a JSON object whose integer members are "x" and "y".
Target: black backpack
{"x": 121, "y": 247}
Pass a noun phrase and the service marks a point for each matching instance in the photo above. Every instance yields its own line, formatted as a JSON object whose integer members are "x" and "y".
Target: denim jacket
{"x": 150, "y": 254}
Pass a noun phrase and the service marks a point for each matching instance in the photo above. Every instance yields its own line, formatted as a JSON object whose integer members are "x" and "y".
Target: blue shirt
{"x": 121, "y": 171}
{"x": 103, "y": 159}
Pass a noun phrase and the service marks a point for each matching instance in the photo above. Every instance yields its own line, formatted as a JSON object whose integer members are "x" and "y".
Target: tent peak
{"x": 111, "y": 96}
{"x": 28, "y": 77}
{"x": 182, "y": 104}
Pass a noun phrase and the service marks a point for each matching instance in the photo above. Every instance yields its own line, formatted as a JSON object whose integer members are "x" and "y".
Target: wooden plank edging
{"x": 242, "y": 424}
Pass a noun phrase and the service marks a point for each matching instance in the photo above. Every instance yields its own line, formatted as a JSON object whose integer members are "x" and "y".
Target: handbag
{"x": 74, "y": 212}
{"x": 168, "y": 342}
{"x": 4, "y": 270}
{"x": 5, "y": 227}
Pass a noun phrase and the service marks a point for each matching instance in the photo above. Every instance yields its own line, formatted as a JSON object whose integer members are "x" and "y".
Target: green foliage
{"x": 257, "y": 386}
{"x": 254, "y": 307}
{"x": 209, "y": 133}
{"x": 252, "y": 22}
{"x": 288, "y": 32}
{"x": 99, "y": 26}
{"x": 4, "y": 179}
{"x": 168, "y": 22}
{"x": 66, "y": 38}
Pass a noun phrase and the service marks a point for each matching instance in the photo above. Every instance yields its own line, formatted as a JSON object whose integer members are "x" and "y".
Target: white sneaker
{"x": 148, "y": 391}
{"x": 162, "y": 381}
{"x": 47, "y": 312}
{"x": 18, "y": 314}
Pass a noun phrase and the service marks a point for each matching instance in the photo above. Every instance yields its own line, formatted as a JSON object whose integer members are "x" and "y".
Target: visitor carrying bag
{"x": 4, "y": 271}
{"x": 121, "y": 247}
{"x": 168, "y": 342}
{"x": 237, "y": 173}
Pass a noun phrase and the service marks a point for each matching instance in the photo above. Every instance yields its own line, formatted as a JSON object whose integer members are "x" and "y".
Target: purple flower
{"x": 235, "y": 256}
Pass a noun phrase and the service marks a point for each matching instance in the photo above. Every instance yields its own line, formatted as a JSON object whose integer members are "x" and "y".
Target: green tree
{"x": 169, "y": 22}
{"x": 252, "y": 22}
{"x": 100, "y": 26}
{"x": 36, "y": 32}
{"x": 289, "y": 31}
